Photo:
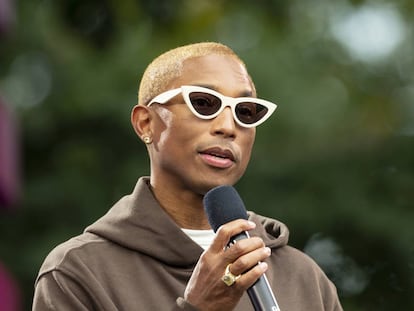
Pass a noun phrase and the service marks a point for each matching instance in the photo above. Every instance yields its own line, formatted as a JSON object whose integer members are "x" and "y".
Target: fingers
{"x": 242, "y": 247}
{"x": 226, "y": 231}
{"x": 248, "y": 278}
{"x": 250, "y": 258}
{"x": 245, "y": 256}
{"x": 212, "y": 286}
{"x": 250, "y": 265}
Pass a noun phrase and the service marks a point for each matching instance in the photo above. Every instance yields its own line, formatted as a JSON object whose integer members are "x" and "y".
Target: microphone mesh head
{"x": 222, "y": 205}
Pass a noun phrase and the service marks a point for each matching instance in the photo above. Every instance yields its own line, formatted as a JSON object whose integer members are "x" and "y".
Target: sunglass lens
{"x": 205, "y": 104}
{"x": 250, "y": 113}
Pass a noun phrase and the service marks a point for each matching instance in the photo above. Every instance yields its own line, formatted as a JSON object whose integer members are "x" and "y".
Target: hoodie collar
{"x": 138, "y": 222}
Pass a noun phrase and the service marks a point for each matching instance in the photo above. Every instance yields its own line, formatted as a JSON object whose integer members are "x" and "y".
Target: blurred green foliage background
{"x": 335, "y": 162}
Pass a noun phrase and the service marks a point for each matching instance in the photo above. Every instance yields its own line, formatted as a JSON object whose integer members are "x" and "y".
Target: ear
{"x": 141, "y": 120}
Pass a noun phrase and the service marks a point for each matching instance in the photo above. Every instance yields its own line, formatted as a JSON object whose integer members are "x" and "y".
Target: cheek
{"x": 173, "y": 129}
{"x": 164, "y": 116}
{"x": 248, "y": 134}
{"x": 247, "y": 146}
{"x": 163, "y": 125}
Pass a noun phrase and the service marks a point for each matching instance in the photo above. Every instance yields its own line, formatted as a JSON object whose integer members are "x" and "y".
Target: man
{"x": 154, "y": 249}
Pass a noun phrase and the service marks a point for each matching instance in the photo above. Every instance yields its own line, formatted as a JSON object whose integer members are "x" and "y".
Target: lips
{"x": 217, "y": 157}
{"x": 218, "y": 152}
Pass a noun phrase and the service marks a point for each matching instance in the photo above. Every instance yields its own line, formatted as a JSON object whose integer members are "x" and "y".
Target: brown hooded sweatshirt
{"x": 136, "y": 258}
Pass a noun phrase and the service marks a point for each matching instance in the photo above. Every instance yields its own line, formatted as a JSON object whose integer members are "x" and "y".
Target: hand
{"x": 205, "y": 289}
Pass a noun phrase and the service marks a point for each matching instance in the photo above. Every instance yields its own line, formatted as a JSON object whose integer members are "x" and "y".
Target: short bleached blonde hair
{"x": 168, "y": 66}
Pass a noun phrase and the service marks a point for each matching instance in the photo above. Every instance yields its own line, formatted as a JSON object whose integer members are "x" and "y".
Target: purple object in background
{"x": 9, "y": 158}
{"x": 9, "y": 162}
{"x": 6, "y": 16}
{"x": 9, "y": 293}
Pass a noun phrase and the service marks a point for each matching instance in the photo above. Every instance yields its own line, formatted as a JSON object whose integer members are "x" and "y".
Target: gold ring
{"x": 229, "y": 278}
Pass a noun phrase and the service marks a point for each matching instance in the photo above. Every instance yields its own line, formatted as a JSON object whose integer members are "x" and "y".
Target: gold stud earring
{"x": 147, "y": 139}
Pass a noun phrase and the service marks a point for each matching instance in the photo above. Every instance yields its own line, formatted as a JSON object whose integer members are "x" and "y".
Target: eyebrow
{"x": 212, "y": 87}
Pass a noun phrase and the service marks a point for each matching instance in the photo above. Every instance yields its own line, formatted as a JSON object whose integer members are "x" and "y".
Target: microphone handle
{"x": 259, "y": 293}
{"x": 261, "y": 296}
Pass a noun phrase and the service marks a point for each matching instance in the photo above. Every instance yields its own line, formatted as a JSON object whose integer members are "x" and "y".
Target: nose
{"x": 224, "y": 124}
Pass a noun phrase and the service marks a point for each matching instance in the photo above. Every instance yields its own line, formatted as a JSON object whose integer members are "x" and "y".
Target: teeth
{"x": 214, "y": 155}
{"x": 219, "y": 156}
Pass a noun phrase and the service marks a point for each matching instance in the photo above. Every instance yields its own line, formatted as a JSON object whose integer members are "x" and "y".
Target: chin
{"x": 215, "y": 182}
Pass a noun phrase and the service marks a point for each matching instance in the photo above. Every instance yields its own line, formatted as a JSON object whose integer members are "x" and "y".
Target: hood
{"x": 273, "y": 232}
{"x": 139, "y": 223}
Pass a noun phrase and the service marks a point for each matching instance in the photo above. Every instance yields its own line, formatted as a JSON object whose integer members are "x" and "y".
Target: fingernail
{"x": 268, "y": 250}
{"x": 251, "y": 224}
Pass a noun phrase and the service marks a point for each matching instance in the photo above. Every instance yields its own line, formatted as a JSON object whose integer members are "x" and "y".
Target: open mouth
{"x": 219, "y": 153}
{"x": 217, "y": 157}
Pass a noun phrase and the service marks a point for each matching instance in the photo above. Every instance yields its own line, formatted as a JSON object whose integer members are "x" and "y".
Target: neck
{"x": 185, "y": 207}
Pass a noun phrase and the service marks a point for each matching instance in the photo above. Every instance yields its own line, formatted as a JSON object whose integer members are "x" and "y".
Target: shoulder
{"x": 68, "y": 255}
{"x": 290, "y": 260}
{"x": 297, "y": 260}
{"x": 296, "y": 267}
{"x": 299, "y": 273}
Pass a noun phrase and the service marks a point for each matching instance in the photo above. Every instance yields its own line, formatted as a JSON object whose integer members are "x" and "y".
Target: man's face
{"x": 195, "y": 155}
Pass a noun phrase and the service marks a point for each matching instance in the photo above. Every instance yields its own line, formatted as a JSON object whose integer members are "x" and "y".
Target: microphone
{"x": 222, "y": 205}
